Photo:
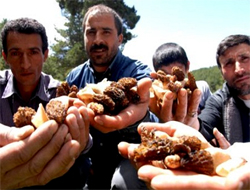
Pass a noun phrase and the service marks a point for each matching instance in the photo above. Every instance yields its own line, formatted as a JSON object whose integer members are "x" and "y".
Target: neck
{"x": 26, "y": 91}
{"x": 245, "y": 97}
{"x": 100, "y": 69}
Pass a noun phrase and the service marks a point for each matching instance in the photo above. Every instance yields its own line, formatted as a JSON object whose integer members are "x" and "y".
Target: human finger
{"x": 84, "y": 128}
{"x": 78, "y": 123}
{"x": 174, "y": 129}
{"x": 181, "y": 105}
{"x": 129, "y": 115}
{"x": 123, "y": 149}
{"x": 57, "y": 166}
{"x": 148, "y": 172}
{"x": 154, "y": 106}
{"x": 37, "y": 162}
{"x": 193, "y": 105}
{"x": 42, "y": 157}
{"x": 223, "y": 143}
{"x": 127, "y": 149}
{"x": 16, "y": 153}
{"x": 166, "y": 113}
{"x": 12, "y": 134}
{"x": 143, "y": 87}
{"x": 78, "y": 103}
{"x": 74, "y": 121}
{"x": 62, "y": 162}
{"x": 185, "y": 181}
{"x": 153, "y": 75}
{"x": 161, "y": 179}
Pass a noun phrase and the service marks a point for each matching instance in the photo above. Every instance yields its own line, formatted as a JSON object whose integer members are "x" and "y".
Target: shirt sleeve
{"x": 211, "y": 116}
{"x": 206, "y": 92}
{"x": 88, "y": 146}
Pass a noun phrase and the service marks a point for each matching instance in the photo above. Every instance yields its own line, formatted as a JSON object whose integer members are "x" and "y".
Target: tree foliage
{"x": 212, "y": 75}
{"x": 2, "y": 62}
{"x": 69, "y": 51}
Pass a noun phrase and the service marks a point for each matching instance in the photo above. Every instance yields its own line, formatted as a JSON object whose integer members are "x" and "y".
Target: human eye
{"x": 245, "y": 58}
{"x": 15, "y": 53}
{"x": 229, "y": 63}
{"x": 34, "y": 51}
{"x": 91, "y": 32}
{"x": 107, "y": 31}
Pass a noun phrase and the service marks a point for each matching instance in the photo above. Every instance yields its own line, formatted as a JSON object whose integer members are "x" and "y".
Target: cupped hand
{"x": 78, "y": 122}
{"x": 163, "y": 179}
{"x": 172, "y": 128}
{"x": 12, "y": 134}
{"x": 128, "y": 116}
{"x": 158, "y": 177}
{"x": 182, "y": 108}
{"x": 38, "y": 158}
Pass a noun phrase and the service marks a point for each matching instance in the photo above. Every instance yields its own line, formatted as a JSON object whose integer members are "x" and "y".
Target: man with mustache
{"x": 102, "y": 28}
{"x": 228, "y": 109}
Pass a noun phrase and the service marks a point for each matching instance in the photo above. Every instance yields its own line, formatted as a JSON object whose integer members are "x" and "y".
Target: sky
{"x": 197, "y": 25}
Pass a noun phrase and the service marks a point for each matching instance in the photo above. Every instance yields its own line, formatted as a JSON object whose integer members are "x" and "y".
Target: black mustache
{"x": 101, "y": 46}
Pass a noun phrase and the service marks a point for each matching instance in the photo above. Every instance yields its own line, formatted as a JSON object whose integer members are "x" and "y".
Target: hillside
{"x": 212, "y": 75}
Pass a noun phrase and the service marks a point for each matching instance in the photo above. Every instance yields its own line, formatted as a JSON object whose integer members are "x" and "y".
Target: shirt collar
{"x": 113, "y": 67}
{"x": 9, "y": 89}
{"x": 41, "y": 90}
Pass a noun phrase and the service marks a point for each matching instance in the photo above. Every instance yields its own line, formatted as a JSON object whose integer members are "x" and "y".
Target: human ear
{"x": 46, "y": 54}
{"x": 4, "y": 57}
{"x": 188, "y": 65}
{"x": 120, "y": 38}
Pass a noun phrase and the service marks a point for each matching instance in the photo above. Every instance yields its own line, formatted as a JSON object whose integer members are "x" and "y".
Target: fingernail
{"x": 170, "y": 96}
{"x": 144, "y": 179}
{"x": 198, "y": 92}
{"x": 183, "y": 93}
{"x": 74, "y": 151}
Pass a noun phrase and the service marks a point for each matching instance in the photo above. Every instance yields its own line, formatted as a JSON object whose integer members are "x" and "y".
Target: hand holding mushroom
{"x": 174, "y": 97}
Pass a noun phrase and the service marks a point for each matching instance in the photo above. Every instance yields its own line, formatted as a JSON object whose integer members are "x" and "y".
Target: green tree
{"x": 212, "y": 75}
{"x": 69, "y": 52}
{"x": 2, "y": 62}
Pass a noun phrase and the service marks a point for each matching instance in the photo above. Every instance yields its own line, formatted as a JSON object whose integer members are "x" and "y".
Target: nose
{"x": 238, "y": 67}
{"x": 98, "y": 38}
{"x": 25, "y": 62}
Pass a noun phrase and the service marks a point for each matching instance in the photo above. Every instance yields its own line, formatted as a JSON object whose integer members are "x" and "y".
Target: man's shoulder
{"x": 80, "y": 68}
{"x": 221, "y": 95}
{"x": 202, "y": 84}
{"x": 49, "y": 81}
{"x": 5, "y": 73}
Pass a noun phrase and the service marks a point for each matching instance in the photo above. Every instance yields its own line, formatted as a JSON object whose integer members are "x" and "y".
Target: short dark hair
{"x": 25, "y": 26}
{"x": 105, "y": 9}
{"x": 228, "y": 42}
{"x": 168, "y": 53}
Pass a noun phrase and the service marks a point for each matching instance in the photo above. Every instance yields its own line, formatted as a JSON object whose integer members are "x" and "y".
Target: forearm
{"x": 205, "y": 130}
